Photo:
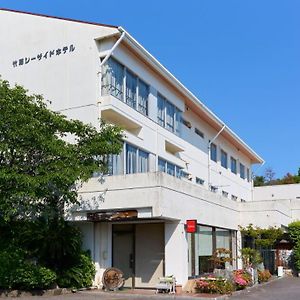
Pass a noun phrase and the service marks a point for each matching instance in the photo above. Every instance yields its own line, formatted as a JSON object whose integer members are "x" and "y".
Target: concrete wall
{"x": 69, "y": 79}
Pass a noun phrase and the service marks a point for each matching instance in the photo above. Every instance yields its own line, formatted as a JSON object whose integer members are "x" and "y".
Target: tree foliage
{"x": 39, "y": 168}
{"x": 269, "y": 178}
{"x": 294, "y": 234}
{"x": 262, "y": 237}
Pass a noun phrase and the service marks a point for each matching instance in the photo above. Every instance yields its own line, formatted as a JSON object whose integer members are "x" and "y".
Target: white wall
{"x": 68, "y": 80}
{"x": 277, "y": 192}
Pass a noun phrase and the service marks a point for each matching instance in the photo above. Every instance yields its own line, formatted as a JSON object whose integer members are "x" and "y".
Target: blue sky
{"x": 241, "y": 58}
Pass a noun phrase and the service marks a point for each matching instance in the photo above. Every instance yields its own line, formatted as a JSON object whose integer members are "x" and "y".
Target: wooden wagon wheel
{"x": 113, "y": 279}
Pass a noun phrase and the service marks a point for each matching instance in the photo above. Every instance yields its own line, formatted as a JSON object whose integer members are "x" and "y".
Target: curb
{"x": 20, "y": 293}
{"x": 154, "y": 296}
{"x": 255, "y": 287}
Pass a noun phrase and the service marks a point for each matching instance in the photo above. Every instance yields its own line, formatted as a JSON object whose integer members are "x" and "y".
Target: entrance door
{"x": 123, "y": 252}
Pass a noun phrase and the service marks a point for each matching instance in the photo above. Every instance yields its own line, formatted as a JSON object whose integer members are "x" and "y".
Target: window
{"x": 242, "y": 171}
{"x": 248, "y": 175}
{"x": 137, "y": 161}
{"x": 224, "y": 194}
{"x": 170, "y": 111}
{"x": 169, "y": 168}
{"x": 136, "y": 90}
{"x": 143, "y": 92}
{"x": 115, "y": 164}
{"x": 168, "y": 115}
{"x": 161, "y": 165}
{"x": 200, "y": 133}
{"x": 234, "y": 198}
{"x": 112, "y": 79}
{"x": 186, "y": 123}
{"x": 213, "y": 188}
{"x": 131, "y": 159}
{"x": 131, "y": 85}
{"x": 143, "y": 161}
{"x": 224, "y": 162}
{"x": 213, "y": 152}
{"x": 202, "y": 245}
{"x": 223, "y": 238}
{"x": 160, "y": 110}
{"x": 233, "y": 165}
{"x": 199, "y": 181}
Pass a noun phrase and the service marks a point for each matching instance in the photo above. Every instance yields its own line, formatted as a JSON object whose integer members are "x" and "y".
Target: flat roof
{"x": 58, "y": 18}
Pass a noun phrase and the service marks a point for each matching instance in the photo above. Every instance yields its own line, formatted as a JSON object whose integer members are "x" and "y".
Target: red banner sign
{"x": 191, "y": 226}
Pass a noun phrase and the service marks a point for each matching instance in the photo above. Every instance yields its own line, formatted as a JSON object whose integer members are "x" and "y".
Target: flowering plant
{"x": 214, "y": 285}
{"x": 264, "y": 276}
{"x": 241, "y": 279}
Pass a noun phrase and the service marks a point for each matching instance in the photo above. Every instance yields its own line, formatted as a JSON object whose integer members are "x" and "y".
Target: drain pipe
{"x": 209, "y": 150}
{"x": 108, "y": 55}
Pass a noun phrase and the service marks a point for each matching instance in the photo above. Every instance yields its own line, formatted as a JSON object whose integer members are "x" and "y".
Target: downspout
{"x": 209, "y": 149}
{"x": 108, "y": 55}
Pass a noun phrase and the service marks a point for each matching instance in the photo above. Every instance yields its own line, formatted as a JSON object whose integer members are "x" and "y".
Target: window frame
{"x": 224, "y": 155}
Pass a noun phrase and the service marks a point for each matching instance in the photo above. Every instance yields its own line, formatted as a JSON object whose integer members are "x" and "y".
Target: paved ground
{"x": 283, "y": 289}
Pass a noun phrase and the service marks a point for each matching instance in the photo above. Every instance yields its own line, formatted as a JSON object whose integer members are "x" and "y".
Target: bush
{"x": 17, "y": 273}
{"x": 241, "y": 279}
{"x": 264, "y": 276}
{"x": 294, "y": 234}
{"x": 214, "y": 285}
{"x": 80, "y": 275}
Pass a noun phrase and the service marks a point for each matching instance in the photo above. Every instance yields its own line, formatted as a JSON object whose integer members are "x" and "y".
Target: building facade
{"x": 179, "y": 160}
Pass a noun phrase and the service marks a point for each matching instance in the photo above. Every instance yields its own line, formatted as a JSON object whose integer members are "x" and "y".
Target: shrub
{"x": 241, "y": 279}
{"x": 264, "y": 276}
{"x": 250, "y": 257}
{"x": 80, "y": 275}
{"x": 214, "y": 285}
{"x": 17, "y": 273}
{"x": 294, "y": 234}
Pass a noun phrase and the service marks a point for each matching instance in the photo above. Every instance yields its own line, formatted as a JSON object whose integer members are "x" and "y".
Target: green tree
{"x": 39, "y": 169}
{"x": 259, "y": 181}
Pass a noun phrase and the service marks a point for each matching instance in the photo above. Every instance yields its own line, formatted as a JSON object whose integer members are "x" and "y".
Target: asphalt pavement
{"x": 287, "y": 288}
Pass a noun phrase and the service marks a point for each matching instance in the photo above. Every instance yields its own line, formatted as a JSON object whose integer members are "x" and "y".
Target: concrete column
{"x": 152, "y": 104}
{"x": 103, "y": 250}
{"x": 239, "y": 247}
{"x": 176, "y": 252}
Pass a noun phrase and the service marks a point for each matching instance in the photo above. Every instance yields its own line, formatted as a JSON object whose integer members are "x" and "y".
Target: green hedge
{"x": 17, "y": 273}
{"x": 80, "y": 275}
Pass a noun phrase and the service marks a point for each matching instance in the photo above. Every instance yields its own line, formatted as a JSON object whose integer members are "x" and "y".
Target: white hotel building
{"x": 179, "y": 161}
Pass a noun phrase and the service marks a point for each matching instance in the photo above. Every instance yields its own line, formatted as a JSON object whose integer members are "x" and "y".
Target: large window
{"x": 131, "y": 89}
{"x": 113, "y": 83}
{"x": 168, "y": 115}
{"x": 213, "y": 152}
{"x": 224, "y": 161}
{"x": 202, "y": 246}
{"x": 136, "y": 161}
{"x": 242, "y": 171}
{"x": 143, "y": 94}
{"x": 115, "y": 163}
{"x": 112, "y": 79}
{"x": 233, "y": 165}
{"x": 169, "y": 168}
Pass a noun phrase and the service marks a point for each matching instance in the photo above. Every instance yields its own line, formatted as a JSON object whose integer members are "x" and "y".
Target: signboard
{"x": 191, "y": 226}
{"x": 40, "y": 56}
{"x": 112, "y": 216}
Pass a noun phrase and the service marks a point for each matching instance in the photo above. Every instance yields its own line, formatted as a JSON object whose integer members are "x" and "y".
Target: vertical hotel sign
{"x": 41, "y": 56}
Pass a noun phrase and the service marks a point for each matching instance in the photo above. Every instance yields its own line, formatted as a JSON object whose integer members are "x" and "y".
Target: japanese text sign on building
{"x": 43, "y": 55}
{"x": 191, "y": 226}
